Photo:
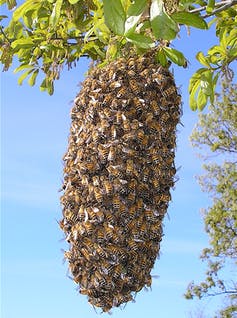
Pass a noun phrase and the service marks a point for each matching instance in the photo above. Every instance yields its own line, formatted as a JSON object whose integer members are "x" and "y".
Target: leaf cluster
{"x": 46, "y": 35}
{"x": 217, "y": 131}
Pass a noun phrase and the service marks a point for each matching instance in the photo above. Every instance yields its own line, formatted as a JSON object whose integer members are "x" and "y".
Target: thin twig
{"x": 3, "y": 33}
{"x": 220, "y": 6}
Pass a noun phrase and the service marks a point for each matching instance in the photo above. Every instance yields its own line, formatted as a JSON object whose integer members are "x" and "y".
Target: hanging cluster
{"x": 119, "y": 168}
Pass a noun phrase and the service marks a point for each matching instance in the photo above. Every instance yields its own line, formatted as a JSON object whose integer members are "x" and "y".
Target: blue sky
{"x": 34, "y": 134}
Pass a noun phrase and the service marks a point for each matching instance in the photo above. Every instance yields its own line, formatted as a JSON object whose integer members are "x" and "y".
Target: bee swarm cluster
{"x": 118, "y": 171}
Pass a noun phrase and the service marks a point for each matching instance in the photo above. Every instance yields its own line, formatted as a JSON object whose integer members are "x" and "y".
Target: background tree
{"x": 47, "y": 35}
{"x": 217, "y": 133}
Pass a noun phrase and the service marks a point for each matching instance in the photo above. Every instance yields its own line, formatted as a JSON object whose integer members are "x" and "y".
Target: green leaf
{"x": 193, "y": 87}
{"x": 202, "y": 59}
{"x": 3, "y": 17}
{"x": 115, "y": 16}
{"x": 43, "y": 85}
{"x": 163, "y": 27}
{"x": 210, "y": 6}
{"x": 201, "y": 100}
{"x": 27, "y": 5}
{"x": 73, "y": 1}
{"x": 161, "y": 57}
{"x": 130, "y": 24}
{"x": 141, "y": 40}
{"x": 31, "y": 80}
{"x": 137, "y": 7}
{"x": 24, "y": 75}
{"x": 54, "y": 18}
{"x": 175, "y": 56}
{"x": 22, "y": 67}
{"x": 190, "y": 19}
{"x": 23, "y": 43}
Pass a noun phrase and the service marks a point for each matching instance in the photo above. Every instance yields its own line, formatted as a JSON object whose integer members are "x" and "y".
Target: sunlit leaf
{"x": 137, "y": 7}
{"x": 190, "y": 19}
{"x": 201, "y": 100}
{"x": 163, "y": 27}
{"x": 141, "y": 41}
{"x": 23, "y": 76}
{"x": 31, "y": 80}
{"x": 210, "y": 6}
{"x": 54, "y": 18}
{"x": 22, "y": 43}
{"x": 175, "y": 56}
{"x": 73, "y": 1}
{"x": 202, "y": 59}
{"x": 115, "y": 16}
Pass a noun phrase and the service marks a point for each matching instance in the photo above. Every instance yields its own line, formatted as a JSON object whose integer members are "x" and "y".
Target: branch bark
{"x": 220, "y": 6}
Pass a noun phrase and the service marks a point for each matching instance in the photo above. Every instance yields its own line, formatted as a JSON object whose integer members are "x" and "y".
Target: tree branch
{"x": 224, "y": 292}
{"x": 220, "y": 6}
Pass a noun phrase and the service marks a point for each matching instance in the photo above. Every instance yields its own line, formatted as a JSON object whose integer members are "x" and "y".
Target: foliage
{"x": 217, "y": 131}
{"x": 47, "y": 35}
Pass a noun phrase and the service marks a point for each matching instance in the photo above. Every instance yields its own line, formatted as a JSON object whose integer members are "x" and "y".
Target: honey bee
{"x": 81, "y": 214}
{"x": 132, "y": 245}
{"x": 132, "y": 185}
{"x": 84, "y": 180}
{"x": 119, "y": 117}
{"x": 108, "y": 232}
{"x": 95, "y": 136}
{"x": 108, "y": 187}
{"x": 107, "y": 99}
{"x": 155, "y": 107}
{"x": 169, "y": 91}
{"x": 98, "y": 194}
{"x": 70, "y": 216}
{"x": 100, "y": 236}
{"x": 91, "y": 215}
{"x": 134, "y": 86}
{"x": 101, "y": 281}
{"x": 88, "y": 227}
{"x": 120, "y": 299}
{"x": 112, "y": 153}
{"x": 108, "y": 113}
{"x": 110, "y": 218}
{"x": 86, "y": 254}
{"x": 117, "y": 271}
{"x": 138, "y": 103}
{"x": 89, "y": 245}
{"x": 104, "y": 125}
{"x": 143, "y": 230}
{"x": 114, "y": 85}
{"x": 116, "y": 202}
{"x": 132, "y": 211}
{"x": 129, "y": 166}
{"x": 114, "y": 171}
{"x": 149, "y": 215}
{"x": 101, "y": 252}
{"x": 126, "y": 124}
{"x": 122, "y": 92}
{"x": 131, "y": 197}
{"x": 103, "y": 152}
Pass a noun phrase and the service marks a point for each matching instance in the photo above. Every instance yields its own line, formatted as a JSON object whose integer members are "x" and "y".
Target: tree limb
{"x": 220, "y": 6}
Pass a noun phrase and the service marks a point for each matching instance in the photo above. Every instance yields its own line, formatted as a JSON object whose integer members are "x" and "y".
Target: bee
{"x": 84, "y": 180}
{"x": 111, "y": 153}
{"x": 122, "y": 92}
{"x": 149, "y": 215}
{"x": 89, "y": 245}
{"x": 81, "y": 214}
{"x": 169, "y": 91}
{"x": 129, "y": 167}
{"x": 131, "y": 63}
{"x": 113, "y": 132}
{"x": 122, "y": 210}
{"x": 116, "y": 202}
{"x": 98, "y": 194}
{"x": 86, "y": 254}
{"x": 88, "y": 227}
{"x": 120, "y": 299}
{"x": 134, "y": 86}
{"x": 143, "y": 230}
{"x": 101, "y": 281}
{"x": 107, "y": 99}
{"x": 70, "y": 216}
{"x": 114, "y": 85}
{"x": 115, "y": 172}
{"x": 108, "y": 113}
{"x": 132, "y": 211}
{"x": 100, "y": 236}
{"x": 103, "y": 152}
{"x": 132, "y": 185}
{"x": 131, "y": 197}
{"x": 101, "y": 252}
{"x": 108, "y": 231}
{"x": 126, "y": 124}
{"x": 110, "y": 219}
{"x": 119, "y": 117}
{"x": 129, "y": 152}
{"x": 104, "y": 125}
{"x": 155, "y": 157}
{"x": 95, "y": 136}
{"x": 155, "y": 108}
{"x": 140, "y": 221}
{"x": 117, "y": 271}
{"x": 138, "y": 103}
{"x": 132, "y": 245}
{"x": 91, "y": 215}
{"x": 146, "y": 173}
